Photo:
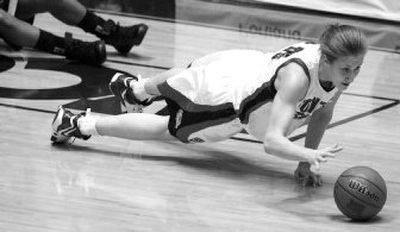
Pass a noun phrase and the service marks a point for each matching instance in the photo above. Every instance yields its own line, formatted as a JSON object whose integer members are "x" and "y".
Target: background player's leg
{"x": 73, "y": 13}
{"x": 25, "y": 35}
{"x": 134, "y": 93}
{"x": 17, "y": 31}
{"x": 68, "y": 11}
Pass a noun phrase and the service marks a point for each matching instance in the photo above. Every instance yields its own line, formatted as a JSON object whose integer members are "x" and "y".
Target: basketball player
{"x": 16, "y": 18}
{"x": 267, "y": 94}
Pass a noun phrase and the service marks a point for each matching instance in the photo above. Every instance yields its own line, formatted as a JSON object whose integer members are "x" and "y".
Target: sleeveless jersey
{"x": 307, "y": 55}
{"x": 225, "y": 92}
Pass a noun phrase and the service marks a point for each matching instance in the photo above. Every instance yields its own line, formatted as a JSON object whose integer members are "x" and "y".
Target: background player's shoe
{"x": 65, "y": 126}
{"x": 86, "y": 52}
{"x": 123, "y": 38}
{"x": 120, "y": 87}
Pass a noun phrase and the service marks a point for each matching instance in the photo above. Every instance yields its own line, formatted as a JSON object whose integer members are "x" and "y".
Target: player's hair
{"x": 342, "y": 40}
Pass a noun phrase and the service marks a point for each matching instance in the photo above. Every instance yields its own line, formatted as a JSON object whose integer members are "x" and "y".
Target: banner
{"x": 378, "y": 9}
{"x": 290, "y": 24}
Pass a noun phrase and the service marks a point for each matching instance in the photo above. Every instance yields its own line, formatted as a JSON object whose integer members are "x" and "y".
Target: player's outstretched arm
{"x": 291, "y": 84}
{"x": 315, "y": 130}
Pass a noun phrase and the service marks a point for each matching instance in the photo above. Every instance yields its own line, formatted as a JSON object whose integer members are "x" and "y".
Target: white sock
{"x": 87, "y": 124}
{"x": 138, "y": 89}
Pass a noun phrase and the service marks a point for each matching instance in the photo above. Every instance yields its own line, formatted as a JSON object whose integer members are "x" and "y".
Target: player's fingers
{"x": 297, "y": 175}
{"x": 319, "y": 181}
{"x": 327, "y": 155}
{"x": 305, "y": 181}
{"x": 316, "y": 165}
{"x": 322, "y": 159}
{"x": 335, "y": 148}
{"x": 314, "y": 181}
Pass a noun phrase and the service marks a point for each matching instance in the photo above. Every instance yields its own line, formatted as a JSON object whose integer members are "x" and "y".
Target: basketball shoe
{"x": 123, "y": 38}
{"x": 120, "y": 87}
{"x": 65, "y": 126}
{"x": 86, "y": 52}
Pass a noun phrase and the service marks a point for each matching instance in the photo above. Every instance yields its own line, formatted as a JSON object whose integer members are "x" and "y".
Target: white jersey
{"x": 307, "y": 55}
{"x": 238, "y": 86}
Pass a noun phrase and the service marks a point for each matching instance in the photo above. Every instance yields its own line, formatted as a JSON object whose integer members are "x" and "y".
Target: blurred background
{"x": 380, "y": 19}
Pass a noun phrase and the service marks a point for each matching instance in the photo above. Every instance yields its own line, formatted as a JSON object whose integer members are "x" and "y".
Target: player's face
{"x": 344, "y": 70}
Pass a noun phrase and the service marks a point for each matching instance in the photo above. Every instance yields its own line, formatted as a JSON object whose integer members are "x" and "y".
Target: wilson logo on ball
{"x": 361, "y": 188}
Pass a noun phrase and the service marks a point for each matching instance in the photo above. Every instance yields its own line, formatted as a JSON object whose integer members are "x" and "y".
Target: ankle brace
{"x": 139, "y": 90}
{"x": 87, "y": 125}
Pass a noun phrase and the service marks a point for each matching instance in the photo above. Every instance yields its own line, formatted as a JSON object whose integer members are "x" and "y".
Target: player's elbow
{"x": 270, "y": 143}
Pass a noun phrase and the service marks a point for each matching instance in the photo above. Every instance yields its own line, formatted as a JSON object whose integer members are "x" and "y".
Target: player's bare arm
{"x": 291, "y": 86}
{"x": 317, "y": 124}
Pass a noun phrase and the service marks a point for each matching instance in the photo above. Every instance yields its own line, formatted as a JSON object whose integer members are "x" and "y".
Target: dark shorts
{"x": 193, "y": 123}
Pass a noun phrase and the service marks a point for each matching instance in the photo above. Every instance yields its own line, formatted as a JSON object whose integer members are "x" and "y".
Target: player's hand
{"x": 305, "y": 176}
{"x": 322, "y": 155}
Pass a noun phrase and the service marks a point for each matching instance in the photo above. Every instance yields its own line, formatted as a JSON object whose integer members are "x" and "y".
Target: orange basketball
{"x": 360, "y": 193}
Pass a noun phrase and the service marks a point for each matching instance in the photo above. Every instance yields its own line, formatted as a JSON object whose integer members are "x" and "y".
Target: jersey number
{"x": 287, "y": 52}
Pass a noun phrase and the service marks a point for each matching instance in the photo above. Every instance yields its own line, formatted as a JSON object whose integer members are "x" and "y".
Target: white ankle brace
{"x": 138, "y": 89}
{"x": 87, "y": 124}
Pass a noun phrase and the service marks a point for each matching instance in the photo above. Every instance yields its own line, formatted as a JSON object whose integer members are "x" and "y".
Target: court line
{"x": 293, "y": 138}
{"x": 335, "y": 124}
{"x": 355, "y": 117}
{"x": 27, "y": 108}
{"x": 166, "y": 68}
{"x": 16, "y": 57}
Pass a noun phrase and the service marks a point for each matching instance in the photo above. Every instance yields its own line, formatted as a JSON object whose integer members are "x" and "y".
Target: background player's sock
{"x": 93, "y": 24}
{"x": 74, "y": 49}
{"x": 50, "y": 43}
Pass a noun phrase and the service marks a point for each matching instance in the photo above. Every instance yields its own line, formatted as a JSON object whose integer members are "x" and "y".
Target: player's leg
{"x": 150, "y": 84}
{"x": 135, "y": 92}
{"x": 72, "y": 12}
{"x": 17, "y": 31}
{"x": 129, "y": 126}
{"x": 23, "y": 34}
{"x": 135, "y": 126}
{"x": 10, "y": 7}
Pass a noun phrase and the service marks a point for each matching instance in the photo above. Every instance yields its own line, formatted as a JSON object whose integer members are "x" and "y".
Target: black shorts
{"x": 193, "y": 123}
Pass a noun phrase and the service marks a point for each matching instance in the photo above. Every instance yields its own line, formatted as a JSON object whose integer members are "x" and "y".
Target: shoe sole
{"x": 115, "y": 90}
{"x": 101, "y": 53}
{"x": 142, "y": 33}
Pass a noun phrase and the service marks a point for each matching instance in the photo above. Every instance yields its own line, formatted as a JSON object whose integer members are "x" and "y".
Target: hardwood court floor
{"x": 108, "y": 184}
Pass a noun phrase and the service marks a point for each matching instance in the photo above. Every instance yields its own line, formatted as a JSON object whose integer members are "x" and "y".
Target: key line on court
{"x": 335, "y": 124}
{"x": 293, "y": 138}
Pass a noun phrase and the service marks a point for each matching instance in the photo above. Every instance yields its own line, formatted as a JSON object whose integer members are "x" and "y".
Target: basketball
{"x": 360, "y": 193}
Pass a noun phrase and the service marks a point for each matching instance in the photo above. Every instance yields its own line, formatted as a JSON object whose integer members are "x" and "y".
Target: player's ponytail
{"x": 342, "y": 40}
